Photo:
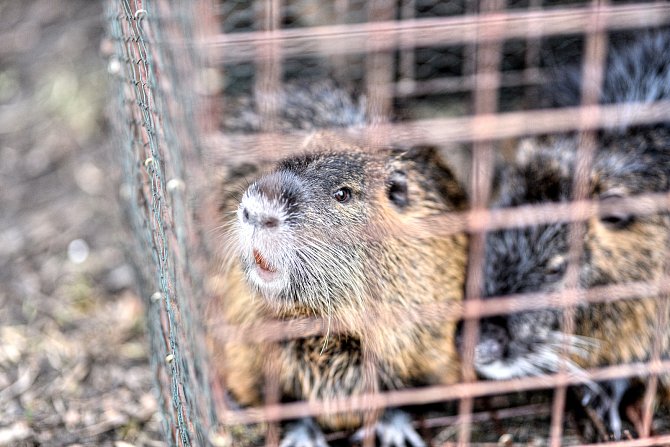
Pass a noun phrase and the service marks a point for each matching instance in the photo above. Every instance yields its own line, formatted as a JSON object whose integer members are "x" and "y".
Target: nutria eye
{"x": 342, "y": 195}
{"x": 556, "y": 265}
{"x": 618, "y": 221}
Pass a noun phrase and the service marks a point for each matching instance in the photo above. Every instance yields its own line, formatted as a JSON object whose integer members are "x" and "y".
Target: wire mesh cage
{"x": 516, "y": 222}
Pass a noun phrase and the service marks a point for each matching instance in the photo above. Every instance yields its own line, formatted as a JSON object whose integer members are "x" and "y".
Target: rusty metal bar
{"x": 425, "y": 395}
{"x": 653, "y": 441}
{"x": 482, "y": 416}
{"x": 593, "y": 64}
{"x": 268, "y": 59}
{"x": 406, "y": 57}
{"x": 405, "y": 88}
{"x": 493, "y": 219}
{"x": 276, "y": 330}
{"x": 487, "y": 81}
{"x": 393, "y": 35}
{"x": 379, "y": 73}
{"x": 446, "y": 130}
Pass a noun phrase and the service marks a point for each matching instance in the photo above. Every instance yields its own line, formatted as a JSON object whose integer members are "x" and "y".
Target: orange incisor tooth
{"x": 261, "y": 262}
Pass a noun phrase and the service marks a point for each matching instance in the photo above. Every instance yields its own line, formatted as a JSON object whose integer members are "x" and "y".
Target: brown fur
{"x": 398, "y": 273}
{"x": 626, "y": 330}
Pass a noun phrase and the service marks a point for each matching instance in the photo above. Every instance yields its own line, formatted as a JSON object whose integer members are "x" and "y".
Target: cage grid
{"x": 177, "y": 66}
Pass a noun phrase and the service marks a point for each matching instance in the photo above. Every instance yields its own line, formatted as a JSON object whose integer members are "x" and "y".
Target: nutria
{"x": 618, "y": 247}
{"x": 330, "y": 234}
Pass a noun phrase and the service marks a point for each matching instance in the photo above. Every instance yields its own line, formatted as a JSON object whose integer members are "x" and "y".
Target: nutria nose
{"x": 270, "y": 222}
{"x": 271, "y": 201}
{"x": 259, "y": 219}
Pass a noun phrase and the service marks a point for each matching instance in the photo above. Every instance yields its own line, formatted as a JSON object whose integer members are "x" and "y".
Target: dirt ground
{"x": 73, "y": 350}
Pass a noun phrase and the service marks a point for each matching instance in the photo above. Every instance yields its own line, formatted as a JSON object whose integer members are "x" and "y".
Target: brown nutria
{"x": 325, "y": 234}
{"x": 618, "y": 247}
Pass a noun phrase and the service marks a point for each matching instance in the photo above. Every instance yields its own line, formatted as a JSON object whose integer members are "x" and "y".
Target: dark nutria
{"x": 618, "y": 247}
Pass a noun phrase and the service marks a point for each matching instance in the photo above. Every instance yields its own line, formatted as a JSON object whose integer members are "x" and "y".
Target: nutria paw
{"x": 394, "y": 429}
{"x": 606, "y": 403}
{"x": 304, "y": 433}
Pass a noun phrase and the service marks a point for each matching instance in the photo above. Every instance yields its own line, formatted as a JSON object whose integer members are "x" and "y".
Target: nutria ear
{"x": 434, "y": 167}
{"x": 396, "y": 189}
{"x": 430, "y": 171}
{"x": 421, "y": 155}
{"x": 406, "y": 159}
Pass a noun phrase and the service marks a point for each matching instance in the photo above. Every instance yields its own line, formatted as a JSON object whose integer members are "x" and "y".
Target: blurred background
{"x": 73, "y": 354}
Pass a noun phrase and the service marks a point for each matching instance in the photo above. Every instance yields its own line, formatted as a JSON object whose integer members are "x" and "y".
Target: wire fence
{"x": 157, "y": 136}
{"x": 467, "y": 77}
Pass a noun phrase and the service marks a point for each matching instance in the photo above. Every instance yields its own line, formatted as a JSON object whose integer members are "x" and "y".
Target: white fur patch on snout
{"x": 272, "y": 242}
{"x": 260, "y": 209}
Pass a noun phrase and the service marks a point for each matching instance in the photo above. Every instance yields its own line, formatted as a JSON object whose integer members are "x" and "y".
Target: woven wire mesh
{"x": 459, "y": 75}
{"x": 158, "y": 142}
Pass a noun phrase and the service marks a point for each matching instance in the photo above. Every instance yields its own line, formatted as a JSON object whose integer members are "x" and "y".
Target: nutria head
{"x": 321, "y": 229}
{"x": 618, "y": 247}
